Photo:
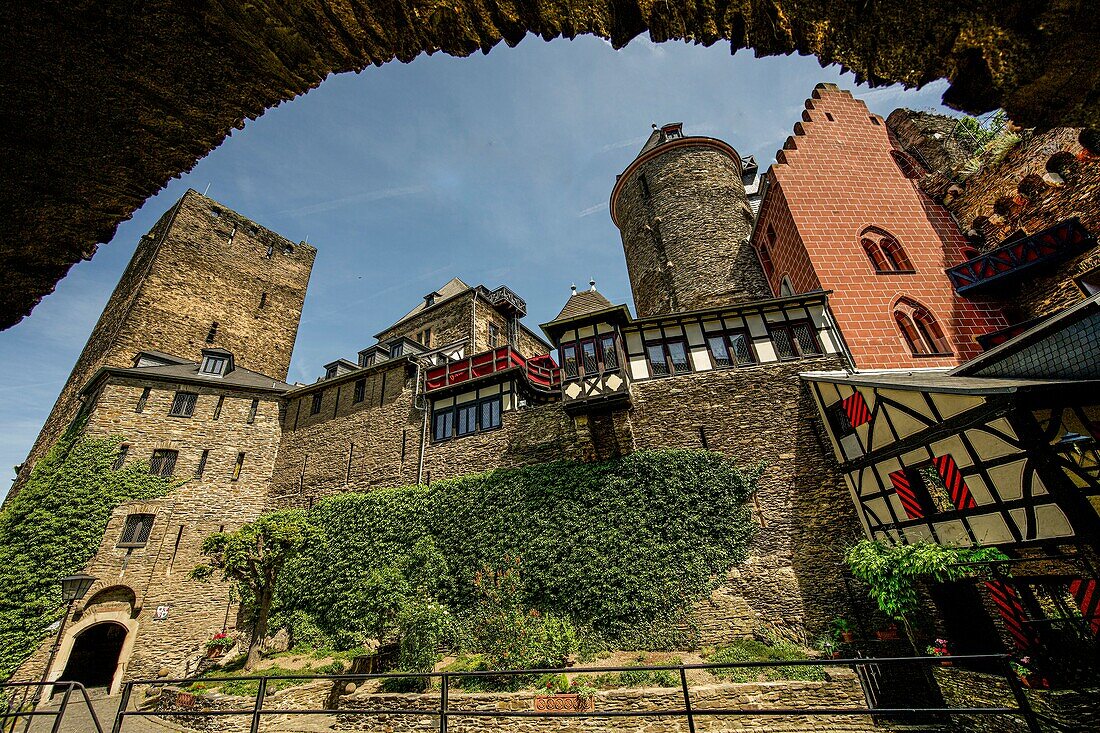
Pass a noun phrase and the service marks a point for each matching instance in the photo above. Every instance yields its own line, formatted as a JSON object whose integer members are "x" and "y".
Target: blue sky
{"x": 494, "y": 168}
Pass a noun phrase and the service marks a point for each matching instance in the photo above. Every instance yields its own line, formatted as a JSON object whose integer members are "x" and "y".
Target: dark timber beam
{"x": 104, "y": 101}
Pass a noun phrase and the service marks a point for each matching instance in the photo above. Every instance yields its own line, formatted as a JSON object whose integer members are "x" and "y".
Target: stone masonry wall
{"x": 450, "y": 320}
{"x": 685, "y": 232}
{"x": 194, "y": 269}
{"x": 992, "y": 197}
{"x": 763, "y": 415}
{"x": 842, "y": 690}
{"x": 158, "y": 573}
{"x": 836, "y": 177}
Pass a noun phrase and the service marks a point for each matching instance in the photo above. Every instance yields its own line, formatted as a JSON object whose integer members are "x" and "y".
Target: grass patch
{"x": 328, "y": 662}
{"x": 751, "y": 650}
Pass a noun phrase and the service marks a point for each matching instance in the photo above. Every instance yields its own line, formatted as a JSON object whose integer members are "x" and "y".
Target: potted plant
{"x": 939, "y": 648}
{"x": 558, "y": 695}
{"x": 218, "y": 645}
{"x": 843, "y": 630}
{"x": 887, "y": 633}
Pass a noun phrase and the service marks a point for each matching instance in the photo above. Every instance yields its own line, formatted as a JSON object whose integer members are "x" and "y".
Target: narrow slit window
{"x": 201, "y": 468}
{"x": 238, "y": 466}
{"x": 360, "y": 391}
{"x": 212, "y": 333}
{"x": 120, "y": 457}
{"x": 218, "y": 408}
{"x": 252, "y": 410}
{"x": 142, "y": 400}
{"x": 315, "y": 404}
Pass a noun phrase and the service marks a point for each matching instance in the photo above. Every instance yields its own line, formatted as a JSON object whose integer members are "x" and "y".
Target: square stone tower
{"x": 204, "y": 276}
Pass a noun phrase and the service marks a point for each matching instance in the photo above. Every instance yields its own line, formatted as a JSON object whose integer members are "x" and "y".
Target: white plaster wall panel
{"x": 915, "y": 456}
{"x": 954, "y": 447}
{"x": 881, "y": 510}
{"x": 490, "y": 390}
{"x": 829, "y": 392}
{"x": 882, "y": 435}
{"x": 1003, "y": 425}
{"x": 1052, "y": 521}
{"x": 851, "y": 446}
{"x": 446, "y": 402}
{"x": 694, "y": 334}
{"x": 887, "y": 467}
{"x": 952, "y": 533}
{"x": 990, "y": 529}
{"x": 466, "y": 397}
{"x": 570, "y": 335}
{"x": 827, "y": 342}
{"x": 653, "y": 334}
{"x": 904, "y": 424}
{"x": 509, "y": 401}
{"x": 774, "y": 316}
{"x": 639, "y": 368}
{"x": 978, "y": 489}
{"x": 700, "y": 360}
{"x": 756, "y": 326}
{"x": 711, "y": 326}
{"x": 764, "y": 350}
{"x": 585, "y": 331}
{"x": 913, "y": 400}
{"x": 634, "y": 342}
{"x": 989, "y": 446}
{"x": 950, "y": 405}
{"x": 604, "y": 328}
{"x": 918, "y": 533}
{"x": 1008, "y": 479}
{"x": 1038, "y": 488}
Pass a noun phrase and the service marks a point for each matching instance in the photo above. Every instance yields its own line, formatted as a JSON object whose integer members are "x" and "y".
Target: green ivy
{"x": 613, "y": 546}
{"x": 53, "y": 527}
{"x": 894, "y": 571}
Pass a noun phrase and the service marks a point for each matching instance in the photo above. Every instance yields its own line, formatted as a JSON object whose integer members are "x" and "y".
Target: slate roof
{"x": 451, "y": 288}
{"x": 937, "y": 380}
{"x": 583, "y": 302}
{"x": 188, "y": 372}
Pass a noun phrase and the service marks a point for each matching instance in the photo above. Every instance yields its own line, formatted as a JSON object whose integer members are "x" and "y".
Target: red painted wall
{"x": 835, "y": 177}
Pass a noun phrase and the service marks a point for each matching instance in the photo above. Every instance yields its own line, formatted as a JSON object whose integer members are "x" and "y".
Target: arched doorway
{"x": 95, "y": 655}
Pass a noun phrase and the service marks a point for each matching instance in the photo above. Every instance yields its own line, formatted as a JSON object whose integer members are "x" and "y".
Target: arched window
{"x": 764, "y": 252}
{"x": 785, "y": 287}
{"x": 909, "y": 167}
{"x": 884, "y": 251}
{"x": 919, "y": 328}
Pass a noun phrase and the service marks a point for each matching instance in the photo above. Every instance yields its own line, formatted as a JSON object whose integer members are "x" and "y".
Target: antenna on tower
{"x": 206, "y": 189}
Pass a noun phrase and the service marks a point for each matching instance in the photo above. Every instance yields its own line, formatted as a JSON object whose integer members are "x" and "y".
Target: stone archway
{"x": 109, "y": 607}
{"x": 105, "y": 102}
{"x": 93, "y": 659}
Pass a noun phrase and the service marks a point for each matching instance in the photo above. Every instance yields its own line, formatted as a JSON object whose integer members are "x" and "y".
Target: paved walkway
{"x": 78, "y": 720}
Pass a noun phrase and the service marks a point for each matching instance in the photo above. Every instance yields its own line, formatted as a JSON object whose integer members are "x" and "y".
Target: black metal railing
{"x": 13, "y": 711}
{"x": 444, "y": 713}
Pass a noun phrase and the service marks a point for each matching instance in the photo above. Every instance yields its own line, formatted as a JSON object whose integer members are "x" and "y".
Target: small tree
{"x": 252, "y": 558}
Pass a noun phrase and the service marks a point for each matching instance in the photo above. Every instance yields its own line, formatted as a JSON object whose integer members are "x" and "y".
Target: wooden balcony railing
{"x": 540, "y": 371}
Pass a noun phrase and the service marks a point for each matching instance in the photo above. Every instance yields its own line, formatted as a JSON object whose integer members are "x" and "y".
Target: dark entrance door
{"x": 966, "y": 623}
{"x": 95, "y": 653}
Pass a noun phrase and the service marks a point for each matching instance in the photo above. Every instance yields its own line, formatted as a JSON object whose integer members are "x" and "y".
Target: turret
{"x": 685, "y": 221}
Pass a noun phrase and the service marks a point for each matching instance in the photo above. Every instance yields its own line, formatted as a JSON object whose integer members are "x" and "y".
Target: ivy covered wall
{"x": 53, "y": 527}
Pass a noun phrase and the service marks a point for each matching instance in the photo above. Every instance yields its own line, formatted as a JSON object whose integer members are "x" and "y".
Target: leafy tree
{"x": 252, "y": 557}
{"x": 53, "y": 527}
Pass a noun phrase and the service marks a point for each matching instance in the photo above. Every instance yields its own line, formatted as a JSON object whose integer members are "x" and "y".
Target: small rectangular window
{"x": 183, "y": 404}
{"x": 677, "y": 354}
{"x": 201, "y": 468}
{"x": 443, "y": 424}
{"x": 494, "y": 335}
{"x": 135, "y": 533}
{"x": 142, "y": 400}
{"x": 120, "y": 457}
{"x": 252, "y": 410}
{"x": 588, "y": 357}
{"x": 794, "y": 340}
{"x": 466, "y": 419}
{"x": 490, "y": 414}
{"x": 657, "y": 363}
{"x": 608, "y": 353}
{"x": 218, "y": 408}
{"x": 263, "y": 299}
{"x": 238, "y": 466}
{"x": 569, "y": 360}
{"x": 360, "y": 391}
{"x": 315, "y": 405}
{"x": 163, "y": 462}
{"x": 213, "y": 365}
{"x": 730, "y": 349}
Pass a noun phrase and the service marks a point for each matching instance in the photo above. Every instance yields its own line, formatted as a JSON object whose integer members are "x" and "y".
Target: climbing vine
{"x": 614, "y": 546}
{"x": 53, "y": 527}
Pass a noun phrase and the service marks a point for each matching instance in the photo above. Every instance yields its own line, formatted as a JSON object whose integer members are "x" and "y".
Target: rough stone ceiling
{"x": 105, "y": 101}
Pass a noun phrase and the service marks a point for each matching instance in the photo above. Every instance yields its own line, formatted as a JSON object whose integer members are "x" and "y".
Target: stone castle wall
{"x": 194, "y": 269}
{"x": 685, "y": 229}
{"x": 834, "y": 178}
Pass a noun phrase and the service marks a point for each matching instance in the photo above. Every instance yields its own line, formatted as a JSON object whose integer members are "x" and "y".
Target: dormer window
{"x": 673, "y": 131}
{"x": 396, "y": 349}
{"x": 330, "y": 372}
{"x": 216, "y": 362}
{"x": 213, "y": 365}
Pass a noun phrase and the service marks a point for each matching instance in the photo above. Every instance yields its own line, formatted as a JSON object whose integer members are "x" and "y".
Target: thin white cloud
{"x": 591, "y": 210}
{"x": 378, "y": 195}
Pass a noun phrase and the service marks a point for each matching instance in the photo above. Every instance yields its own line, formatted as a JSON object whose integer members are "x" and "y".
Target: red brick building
{"x": 842, "y": 212}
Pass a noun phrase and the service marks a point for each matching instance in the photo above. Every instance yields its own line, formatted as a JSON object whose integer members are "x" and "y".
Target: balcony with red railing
{"x": 1007, "y": 261}
{"x": 541, "y": 372}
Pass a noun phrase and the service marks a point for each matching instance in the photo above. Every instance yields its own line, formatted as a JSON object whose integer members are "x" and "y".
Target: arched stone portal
{"x": 105, "y": 102}
{"x": 93, "y": 659}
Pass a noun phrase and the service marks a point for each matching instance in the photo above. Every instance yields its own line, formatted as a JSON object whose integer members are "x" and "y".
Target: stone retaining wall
{"x": 1071, "y": 710}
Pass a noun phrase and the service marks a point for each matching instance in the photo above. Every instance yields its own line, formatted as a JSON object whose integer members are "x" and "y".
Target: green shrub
{"x": 614, "y": 546}
{"x": 53, "y": 527}
{"x": 751, "y": 650}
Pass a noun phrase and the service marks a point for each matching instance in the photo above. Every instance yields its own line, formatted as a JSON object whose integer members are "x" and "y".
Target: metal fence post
{"x": 1021, "y": 698}
{"x": 261, "y": 693}
{"x": 687, "y": 699}
{"x": 444, "y": 691}
{"x": 60, "y": 714}
{"x": 127, "y": 688}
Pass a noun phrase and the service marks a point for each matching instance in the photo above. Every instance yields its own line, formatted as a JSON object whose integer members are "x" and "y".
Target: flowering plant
{"x": 220, "y": 641}
{"x": 938, "y": 648}
{"x": 1022, "y": 666}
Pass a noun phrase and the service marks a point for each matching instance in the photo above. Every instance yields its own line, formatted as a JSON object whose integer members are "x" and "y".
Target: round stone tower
{"x": 685, "y": 221}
